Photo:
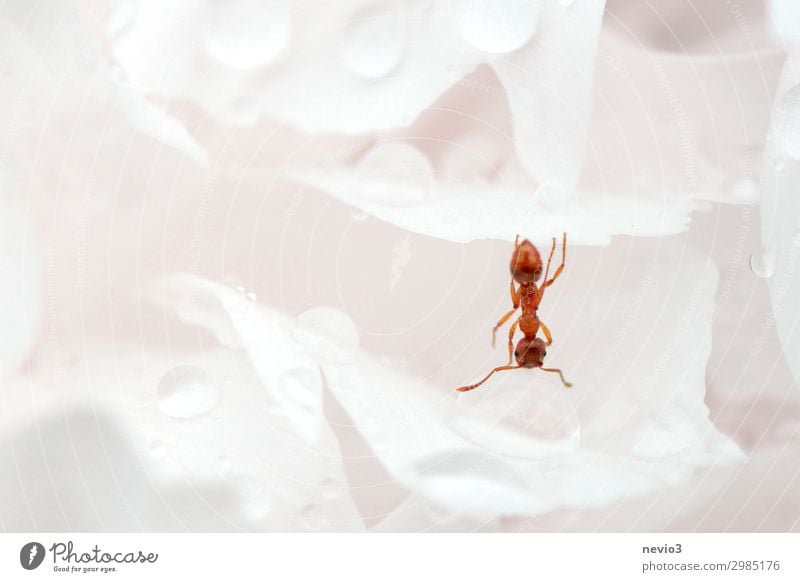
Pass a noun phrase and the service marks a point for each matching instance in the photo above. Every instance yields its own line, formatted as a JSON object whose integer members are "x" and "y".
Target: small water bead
{"x": 395, "y": 174}
{"x": 251, "y": 297}
{"x": 358, "y": 215}
{"x": 375, "y": 40}
{"x": 796, "y": 238}
{"x": 245, "y": 34}
{"x": 786, "y": 122}
{"x": 498, "y": 28}
{"x": 186, "y": 392}
{"x": 762, "y": 263}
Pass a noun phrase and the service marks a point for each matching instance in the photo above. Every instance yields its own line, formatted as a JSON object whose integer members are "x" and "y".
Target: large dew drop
{"x": 245, "y": 34}
{"x": 520, "y": 417}
{"x": 395, "y": 174}
{"x": 762, "y": 263}
{"x": 498, "y": 27}
{"x": 375, "y": 40}
{"x": 186, "y": 391}
{"x": 786, "y": 122}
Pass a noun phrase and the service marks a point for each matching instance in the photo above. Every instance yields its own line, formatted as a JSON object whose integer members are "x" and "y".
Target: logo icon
{"x": 31, "y": 555}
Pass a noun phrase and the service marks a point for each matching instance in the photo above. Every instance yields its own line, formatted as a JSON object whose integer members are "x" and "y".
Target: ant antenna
{"x": 473, "y": 386}
{"x": 557, "y": 371}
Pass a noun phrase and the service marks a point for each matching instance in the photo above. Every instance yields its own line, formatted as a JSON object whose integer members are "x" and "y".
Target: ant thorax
{"x": 528, "y": 292}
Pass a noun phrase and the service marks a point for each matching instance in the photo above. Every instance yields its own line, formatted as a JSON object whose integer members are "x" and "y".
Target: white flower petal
{"x": 778, "y": 260}
{"x": 20, "y": 285}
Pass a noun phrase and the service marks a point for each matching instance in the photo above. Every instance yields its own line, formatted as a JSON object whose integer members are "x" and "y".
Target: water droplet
{"x": 553, "y": 197}
{"x": 331, "y": 488}
{"x": 186, "y": 391}
{"x": 328, "y": 334}
{"x": 245, "y": 34}
{"x": 515, "y": 418}
{"x": 312, "y": 511}
{"x": 375, "y": 40}
{"x": 762, "y": 263}
{"x": 796, "y": 238}
{"x": 240, "y": 289}
{"x": 359, "y": 215}
{"x": 786, "y": 122}
{"x": 251, "y": 297}
{"x": 395, "y": 174}
{"x": 255, "y": 499}
{"x": 495, "y": 29}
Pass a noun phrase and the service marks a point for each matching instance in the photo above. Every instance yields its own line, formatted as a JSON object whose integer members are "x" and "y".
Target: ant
{"x": 526, "y": 269}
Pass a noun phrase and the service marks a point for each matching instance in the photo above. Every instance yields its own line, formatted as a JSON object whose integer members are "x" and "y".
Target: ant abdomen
{"x": 526, "y": 263}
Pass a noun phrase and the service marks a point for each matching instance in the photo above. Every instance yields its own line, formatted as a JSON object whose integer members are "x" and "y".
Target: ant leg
{"x": 516, "y": 294}
{"x": 511, "y": 333}
{"x": 549, "y": 259}
{"x": 500, "y": 323}
{"x": 546, "y": 332}
{"x": 540, "y": 292}
{"x": 549, "y": 282}
{"x": 473, "y": 386}
{"x": 557, "y": 371}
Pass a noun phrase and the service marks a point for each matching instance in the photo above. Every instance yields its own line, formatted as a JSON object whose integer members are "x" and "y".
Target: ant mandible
{"x": 526, "y": 269}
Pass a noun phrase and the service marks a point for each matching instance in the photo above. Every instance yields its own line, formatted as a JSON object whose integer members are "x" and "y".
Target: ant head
{"x": 526, "y": 263}
{"x": 530, "y": 352}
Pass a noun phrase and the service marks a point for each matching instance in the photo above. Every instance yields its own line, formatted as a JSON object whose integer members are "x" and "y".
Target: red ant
{"x": 526, "y": 269}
